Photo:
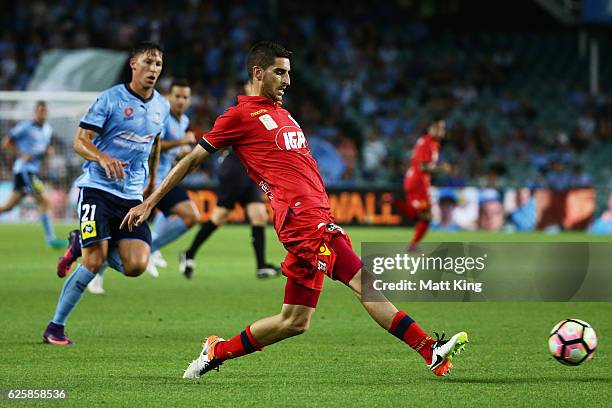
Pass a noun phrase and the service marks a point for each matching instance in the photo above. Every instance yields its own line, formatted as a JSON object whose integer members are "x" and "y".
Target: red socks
{"x": 420, "y": 229}
{"x": 405, "y": 329}
{"x": 237, "y": 346}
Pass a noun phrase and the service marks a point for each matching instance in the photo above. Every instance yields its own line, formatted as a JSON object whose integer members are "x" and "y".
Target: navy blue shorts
{"x": 235, "y": 186}
{"x": 174, "y": 196}
{"x": 100, "y": 215}
{"x": 28, "y": 182}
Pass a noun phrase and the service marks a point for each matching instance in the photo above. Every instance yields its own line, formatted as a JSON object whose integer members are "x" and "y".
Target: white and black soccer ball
{"x": 572, "y": 342}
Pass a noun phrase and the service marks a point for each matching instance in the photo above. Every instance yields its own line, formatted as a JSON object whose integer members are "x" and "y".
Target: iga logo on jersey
{"x": 292, "y": 138}
{"x": 129, "y": 111}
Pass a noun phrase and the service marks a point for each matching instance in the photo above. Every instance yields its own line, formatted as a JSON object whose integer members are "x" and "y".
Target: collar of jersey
{"x": 260, "y": 99}
{"x": 127, "y": 86}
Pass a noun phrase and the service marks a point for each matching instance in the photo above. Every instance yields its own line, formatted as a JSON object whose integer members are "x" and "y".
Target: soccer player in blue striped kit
{"x": 29, "y": 140}
{"x": 119, "y": 139}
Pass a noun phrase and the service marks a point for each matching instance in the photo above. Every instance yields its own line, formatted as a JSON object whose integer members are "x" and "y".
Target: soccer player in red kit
{"x": 274, "y": 150}
{"x": 417, "y": 179}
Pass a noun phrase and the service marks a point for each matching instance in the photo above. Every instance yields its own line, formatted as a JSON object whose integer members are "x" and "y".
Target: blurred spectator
{"x": 524, "y": 217}
{"x": 557, "y": 178}
{"x": 454, "y": 178}
{"x": 603, "y": 225}
{"x": 579, "y": 178}
{"x": 491, "y": 211}
{"x": 374, "y": 154}
{"x": 447, "y": 203}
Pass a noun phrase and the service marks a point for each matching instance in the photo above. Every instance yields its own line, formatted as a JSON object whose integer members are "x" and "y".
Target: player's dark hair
{"x": 263, "y": 55}
{"x": 181, "y": 83}
{"x": 145, "y": 46}
{"x": 41, "y": 103}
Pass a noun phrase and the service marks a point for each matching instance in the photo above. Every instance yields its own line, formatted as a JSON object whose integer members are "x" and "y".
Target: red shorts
{"x": 326, "y": 252}
{"x": 418, "y": 200}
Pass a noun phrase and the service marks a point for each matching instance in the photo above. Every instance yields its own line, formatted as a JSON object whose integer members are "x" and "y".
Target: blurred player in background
{"x": 235, "y": 186}
{"x": 417, "y": 180}
{"x": 119, "y": 139}
{"x": 29, "y": 140}
{"x": 179, "y": 212}
{"x": 273, "y": 148}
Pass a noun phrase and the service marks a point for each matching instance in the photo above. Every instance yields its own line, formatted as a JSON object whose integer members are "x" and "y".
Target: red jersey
{"x": 276, "y": 155}
{"x": 425, "y": 151}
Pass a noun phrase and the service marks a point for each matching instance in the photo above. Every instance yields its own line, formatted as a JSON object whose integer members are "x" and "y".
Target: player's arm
{"x": 432, "y": 167}
{"x": 186, "y": 140}
{"x": 153, "y": 163}
{"x": 140, "y": 213}
{"x": 9, "y": 144}
{"x": 84, "y": 146}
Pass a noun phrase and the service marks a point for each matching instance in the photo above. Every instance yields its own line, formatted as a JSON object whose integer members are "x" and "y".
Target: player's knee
{"x": 93, "y": 261}
{"x": 425, "y": 215}
{"x": 43, "y": 204}
{"x": 135, "y": 266}
{"x": 295, "y": 325}
{"x": 219, "y": 218}
{"x": 259, "y": 219}
{"x": 190, "y": 218}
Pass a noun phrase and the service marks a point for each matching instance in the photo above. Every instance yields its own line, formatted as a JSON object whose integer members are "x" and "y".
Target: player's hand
{"x": 188, "y": 138}
{"x": 136, "y": 216}
{"x": 445, "y": 167}
{"x": 26, "y": 157}
{"x": 112, "y": 167}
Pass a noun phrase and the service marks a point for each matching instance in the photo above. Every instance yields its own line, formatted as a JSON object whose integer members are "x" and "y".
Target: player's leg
{"x": 14, "y": 199}
{"x": 181, "y": 214}
{"x": 294, "y": 319}
{"x": 436, "y": 353}
{"x": 134, "y": 254}
{"x": 421, "y": 227}
{"x": 217, "y": 219}
{"x": 258, "y": 217}
{"x": 45, "y": 219}
{"x": 418, "y": 200}
{"x": 94, "y": 257}
{"x": 156, "y": 227}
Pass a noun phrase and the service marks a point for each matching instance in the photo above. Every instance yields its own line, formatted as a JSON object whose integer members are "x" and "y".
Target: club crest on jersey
{"x": 129, "y": 113}
{"x": 268, "y": 122}
{"x": 292, "y": 138}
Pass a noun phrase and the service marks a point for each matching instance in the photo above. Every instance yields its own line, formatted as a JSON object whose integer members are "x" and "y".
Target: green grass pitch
{"x": 133, "y": 343}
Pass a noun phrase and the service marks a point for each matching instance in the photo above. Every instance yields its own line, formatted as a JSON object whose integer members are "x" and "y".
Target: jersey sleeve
{"x": 17, "y": 131}
{"x": 97, "y": 115}
{"x": 226, "y": 131}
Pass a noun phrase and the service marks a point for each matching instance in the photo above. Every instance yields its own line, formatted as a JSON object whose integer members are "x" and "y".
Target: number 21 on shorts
{"x": 88, "y": 222}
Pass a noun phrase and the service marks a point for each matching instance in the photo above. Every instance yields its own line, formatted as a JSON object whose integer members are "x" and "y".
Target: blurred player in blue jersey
{"x": 179, "y": 212}
{"x": 119, "y": 139}
{"x": 29, "y": 141}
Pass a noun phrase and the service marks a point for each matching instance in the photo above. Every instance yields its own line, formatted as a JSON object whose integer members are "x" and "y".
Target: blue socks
{"x": 45, "y": 220}
{"x": 171, "y": 229}
{"x": 71, "y": 293}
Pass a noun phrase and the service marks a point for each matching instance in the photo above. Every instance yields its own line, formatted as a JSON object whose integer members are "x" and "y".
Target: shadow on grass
{"x": 528, "y": 380}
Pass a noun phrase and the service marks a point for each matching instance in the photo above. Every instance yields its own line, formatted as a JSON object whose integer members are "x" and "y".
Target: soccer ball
{"x": 572, "y": 342}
